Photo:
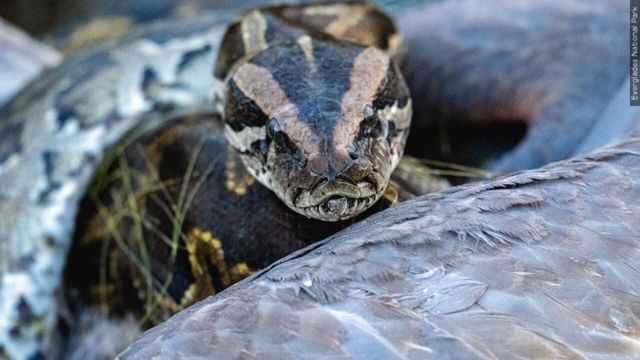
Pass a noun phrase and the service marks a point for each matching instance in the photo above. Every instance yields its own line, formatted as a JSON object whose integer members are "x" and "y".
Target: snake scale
{"x": 154, "y": 73}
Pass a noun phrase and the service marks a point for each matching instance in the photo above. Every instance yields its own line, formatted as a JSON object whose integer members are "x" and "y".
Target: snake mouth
{"x": 337, "y": 208}
{"x": 336, "y": 200}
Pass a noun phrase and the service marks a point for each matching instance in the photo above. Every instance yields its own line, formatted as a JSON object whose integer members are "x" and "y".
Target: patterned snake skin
{"x": 53, "y": 136}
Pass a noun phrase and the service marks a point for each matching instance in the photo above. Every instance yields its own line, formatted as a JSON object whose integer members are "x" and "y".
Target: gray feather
{"x": 542, "y": 264}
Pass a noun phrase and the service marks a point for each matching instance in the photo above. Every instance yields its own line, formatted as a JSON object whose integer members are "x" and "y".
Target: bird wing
{"x": 539, "y": 264}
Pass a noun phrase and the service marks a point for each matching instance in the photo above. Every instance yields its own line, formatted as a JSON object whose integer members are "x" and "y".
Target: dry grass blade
{"x": 451, "y": 169}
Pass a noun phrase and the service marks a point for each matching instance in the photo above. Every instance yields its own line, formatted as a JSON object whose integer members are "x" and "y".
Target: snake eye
{"x": 368, "y": 112}
{"x": 260, "y": 148}
{"x": 273, "y": 127}
{"x": 371, "y": 125}
{"x": 276, "y": 133}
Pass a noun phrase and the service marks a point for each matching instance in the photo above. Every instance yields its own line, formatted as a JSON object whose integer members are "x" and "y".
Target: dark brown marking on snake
{"x": 309, "y": 101}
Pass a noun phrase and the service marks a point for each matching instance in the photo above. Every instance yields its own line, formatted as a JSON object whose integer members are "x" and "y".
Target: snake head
{"x": 323, "y": 125}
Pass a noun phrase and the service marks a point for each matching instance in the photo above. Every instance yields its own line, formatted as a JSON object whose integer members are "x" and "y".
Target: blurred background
{"x": 43, "y": 17}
